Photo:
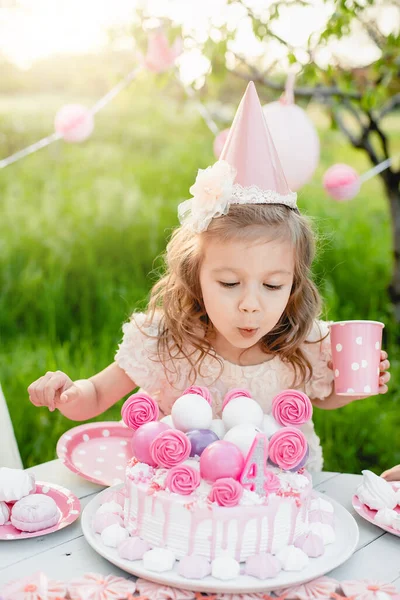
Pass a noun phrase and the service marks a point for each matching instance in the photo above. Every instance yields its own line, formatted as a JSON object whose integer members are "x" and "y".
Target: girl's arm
{"x": 83, "y": 399}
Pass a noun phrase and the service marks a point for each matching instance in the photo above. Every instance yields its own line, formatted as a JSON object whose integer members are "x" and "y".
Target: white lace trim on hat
{"x": 253, "y": 195}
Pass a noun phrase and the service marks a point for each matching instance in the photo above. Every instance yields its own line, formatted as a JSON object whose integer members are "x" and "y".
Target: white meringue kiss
{"x": 4, "y": 513}
{"x": 112, "y": 507}
{"x": 113, "y": 534}
{"x": 225, "y": 568}
{"x": 326, "y": 532}
{"x": 15, "y": 484}
{"x": 376, "y": 492}
{"x": 133, "y": 548}
{"x": 194, "y": 567}
{"x": 292, "y": 558}
{"x": 159, "y": 560}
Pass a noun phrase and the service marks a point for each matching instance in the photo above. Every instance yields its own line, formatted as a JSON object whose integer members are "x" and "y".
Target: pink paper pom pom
{"x": 74, "y": 122}
{"x": 341, "y": 182}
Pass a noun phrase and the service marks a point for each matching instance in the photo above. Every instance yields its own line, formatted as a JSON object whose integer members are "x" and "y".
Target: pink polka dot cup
{"x": 356, "y": 355}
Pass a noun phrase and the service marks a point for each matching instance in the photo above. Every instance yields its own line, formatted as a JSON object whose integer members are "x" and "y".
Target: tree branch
{"x": 389, "y": 106}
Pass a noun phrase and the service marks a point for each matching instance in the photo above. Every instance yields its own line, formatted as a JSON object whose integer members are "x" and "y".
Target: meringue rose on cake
{"x": 292, "y": 407}
{"x": 235, "y": 393}
{"x": 287, "y": 448}
{"x": 226, "y": 492}
{"x": 183, "y": 479}
{"x": 139, "y": 409}
{"x": 170, "y": 448}
{"x": 200, "y": 391}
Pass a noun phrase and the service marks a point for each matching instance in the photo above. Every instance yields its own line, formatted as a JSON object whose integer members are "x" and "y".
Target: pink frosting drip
{"x": 235, "y": 393}
{"x": 292, "y": 407}
{"x": 226, "y": 492}
{"x": 139, "y": 409}
{"x": 183, "y": 479}
{"x": 170, "y": 448}
{"x": 287, "y": 447}
{"x": 200, "y": 391}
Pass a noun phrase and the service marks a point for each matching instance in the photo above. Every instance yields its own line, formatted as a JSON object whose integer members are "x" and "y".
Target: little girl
{"x": 236, "y": 306}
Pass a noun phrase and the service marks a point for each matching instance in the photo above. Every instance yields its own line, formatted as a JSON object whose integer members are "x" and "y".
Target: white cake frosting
{"x": 191, "y": 524}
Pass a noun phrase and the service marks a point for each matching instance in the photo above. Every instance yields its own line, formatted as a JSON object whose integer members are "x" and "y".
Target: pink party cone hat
{"x": 250, "y": 150}
{"x": 247, "y": 172}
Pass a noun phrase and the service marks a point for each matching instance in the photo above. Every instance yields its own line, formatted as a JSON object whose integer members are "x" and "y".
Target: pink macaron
{"x": 34, "y": 512}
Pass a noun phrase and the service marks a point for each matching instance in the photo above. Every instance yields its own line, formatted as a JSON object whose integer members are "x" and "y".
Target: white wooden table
{"x": 65, "y": 554}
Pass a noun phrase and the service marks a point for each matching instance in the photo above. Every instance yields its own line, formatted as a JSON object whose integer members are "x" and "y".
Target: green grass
{"x": 81, "y": 225}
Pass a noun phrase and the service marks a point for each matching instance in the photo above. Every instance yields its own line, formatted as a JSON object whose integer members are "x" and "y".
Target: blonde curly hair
{"x": 184, "y": 324}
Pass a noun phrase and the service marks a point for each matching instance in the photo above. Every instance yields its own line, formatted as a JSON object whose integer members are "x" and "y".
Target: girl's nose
{"x": 249, "y": 304}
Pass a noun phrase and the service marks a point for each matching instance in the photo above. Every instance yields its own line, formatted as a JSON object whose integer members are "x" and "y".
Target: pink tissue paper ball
{"x": 341, "y": 182}
{"x": 74, "y": 122}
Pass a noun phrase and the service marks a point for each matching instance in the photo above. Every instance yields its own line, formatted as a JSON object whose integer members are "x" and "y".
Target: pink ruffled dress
{"x": 137, "y": 356}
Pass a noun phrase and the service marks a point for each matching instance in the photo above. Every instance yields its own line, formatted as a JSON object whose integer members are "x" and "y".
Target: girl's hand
{"x": 392, "y": 474}
{"x": 384, "y": 375}
{"x": 51, "y": 389}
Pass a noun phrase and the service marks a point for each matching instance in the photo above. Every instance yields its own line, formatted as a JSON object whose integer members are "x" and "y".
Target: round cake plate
{"x": 98, "y": 452}
{"x": 369, "y": 515}
{"x": 68, "y": 506}
{"x": 335, "y": 554}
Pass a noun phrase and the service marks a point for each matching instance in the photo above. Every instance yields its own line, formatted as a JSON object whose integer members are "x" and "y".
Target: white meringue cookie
{"x": 4, "y": 513}
{"x": 325, "y": 531}
{"x": 113, "y": 534}
{"x": 292, "y": 558}
{"x": 225, "y": 567}
{"x": 376, "y": 492}
{"x": 322, "y": 505}
{"x": 15, "y": 484}
{"x": 159, "y": 560}
{"x": 396, "y": 521}
{"x": 112, "y": 507}
{"x": 385, "y": 516}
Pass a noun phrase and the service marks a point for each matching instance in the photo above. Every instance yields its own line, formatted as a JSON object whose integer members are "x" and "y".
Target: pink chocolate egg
{"x": 221, "y": 459}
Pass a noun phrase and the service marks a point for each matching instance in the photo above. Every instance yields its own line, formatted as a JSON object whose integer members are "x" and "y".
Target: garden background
{"x": 81, "y": 227}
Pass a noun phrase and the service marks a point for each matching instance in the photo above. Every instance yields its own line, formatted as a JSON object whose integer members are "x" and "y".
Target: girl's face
{"x": 245, "y": 290}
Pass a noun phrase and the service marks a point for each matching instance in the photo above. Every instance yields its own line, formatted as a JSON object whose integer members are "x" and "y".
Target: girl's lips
{"x": 247, "y": 332}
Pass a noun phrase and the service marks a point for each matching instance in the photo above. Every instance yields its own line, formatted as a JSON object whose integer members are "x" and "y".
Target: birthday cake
{"x": 212, "y": 502}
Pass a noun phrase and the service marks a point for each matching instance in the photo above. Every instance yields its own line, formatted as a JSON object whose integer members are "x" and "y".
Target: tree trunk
{"x": 393, "y": 192}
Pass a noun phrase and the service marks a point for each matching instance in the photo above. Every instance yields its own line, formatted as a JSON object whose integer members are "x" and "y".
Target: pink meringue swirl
{"x": 292, "y": 407}
{"x": 200, "y": 391}
{"x": 271, "y": 482}
{"x": 226, "y": 492}
{"x": 183, "y": 479}
{"x": 169, "y": 448}
{"x": 235, "y": 393}
{"x": 287, "y": 447}
{"x": 139, "y": 409}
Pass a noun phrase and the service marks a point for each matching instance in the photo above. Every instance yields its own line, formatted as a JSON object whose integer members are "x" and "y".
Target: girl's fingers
{"x": 384, "y": 378}
{"x": 392, "y": 474}
{"x": 35, "y": 390}
{"x": 383, "y": 389}
{"x": 384, "y": 365}
{"x": 56, "y": 382}
{"x": 384, "y": 355}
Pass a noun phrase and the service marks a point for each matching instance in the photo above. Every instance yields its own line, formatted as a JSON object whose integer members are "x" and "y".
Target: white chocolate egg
{"x": 241, "y": 411}
{"x": 191, "y": 411}
{"x": 242, "y": 436}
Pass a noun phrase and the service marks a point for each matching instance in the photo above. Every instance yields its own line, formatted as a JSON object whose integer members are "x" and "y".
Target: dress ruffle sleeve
{"x": 137, "y": 353}
{"x": 319, "y": 353}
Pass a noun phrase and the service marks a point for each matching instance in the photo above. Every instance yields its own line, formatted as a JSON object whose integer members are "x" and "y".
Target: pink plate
{"x": 68, "y": 505}
{"x": 97, "y": 452}
{"x": 367, "y": 513}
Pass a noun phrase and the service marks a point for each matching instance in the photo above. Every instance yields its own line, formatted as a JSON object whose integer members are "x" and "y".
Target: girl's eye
{"x": 228, "y": 285}
{"x": 272, "y": 287}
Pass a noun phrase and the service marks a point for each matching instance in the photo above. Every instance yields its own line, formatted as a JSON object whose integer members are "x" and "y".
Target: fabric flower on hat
{"x": 368, "y": 590}
{"x": 212, "y": 192}
{"x": 93, "y": 586}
